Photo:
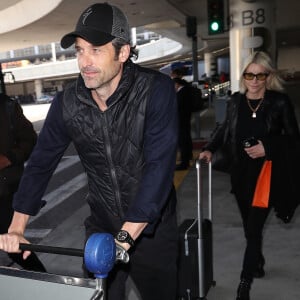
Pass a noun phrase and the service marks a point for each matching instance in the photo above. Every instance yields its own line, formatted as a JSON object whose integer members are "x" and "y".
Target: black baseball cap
{"x": 99, "y": 24}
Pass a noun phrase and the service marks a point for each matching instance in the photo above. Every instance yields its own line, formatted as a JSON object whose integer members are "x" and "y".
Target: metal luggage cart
{"x": 100, "y": 255}
{"x": 28, "y": 285}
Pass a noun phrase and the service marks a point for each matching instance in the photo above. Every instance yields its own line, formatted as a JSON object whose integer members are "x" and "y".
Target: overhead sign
{"x": 8, "y": 77}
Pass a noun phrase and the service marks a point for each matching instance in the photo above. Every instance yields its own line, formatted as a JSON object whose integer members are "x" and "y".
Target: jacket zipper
{"x": 112, "y": 168}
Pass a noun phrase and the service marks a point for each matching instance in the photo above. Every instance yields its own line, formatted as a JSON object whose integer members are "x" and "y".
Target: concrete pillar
{"x": 133, "y": 36}
{"x": 36, "y": 49}
{"x": 38, "y": 87}
{"x": 251, "y": 29}
{"x": 53, "y": 52}
{"x": 11, "y": 53}
{"x": 210, "y": 64}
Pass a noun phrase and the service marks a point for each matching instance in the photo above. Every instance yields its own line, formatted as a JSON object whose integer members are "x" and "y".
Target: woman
{"x": 260, "y": 125}
{"x": 17, "y": 139}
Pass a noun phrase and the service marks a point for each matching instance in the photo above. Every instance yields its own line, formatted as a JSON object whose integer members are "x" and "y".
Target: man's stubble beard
{"x": 99, "y": 81}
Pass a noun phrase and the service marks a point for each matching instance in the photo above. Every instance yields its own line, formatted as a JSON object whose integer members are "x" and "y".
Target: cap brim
{"x": 94, "y": 37}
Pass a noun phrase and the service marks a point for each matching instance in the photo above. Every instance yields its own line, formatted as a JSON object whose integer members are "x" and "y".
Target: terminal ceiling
{"x": 29, "y": 22}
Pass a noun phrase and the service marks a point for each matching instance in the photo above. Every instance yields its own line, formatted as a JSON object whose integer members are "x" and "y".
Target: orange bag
{"x": 262, "y": 189}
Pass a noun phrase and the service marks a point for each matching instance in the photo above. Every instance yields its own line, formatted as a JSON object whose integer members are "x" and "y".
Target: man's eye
{"x": 78, "y": 50}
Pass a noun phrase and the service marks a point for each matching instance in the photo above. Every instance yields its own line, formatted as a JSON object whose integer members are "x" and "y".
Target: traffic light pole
{"x": 195, "y": 58}
{"x": 191, "y": 31}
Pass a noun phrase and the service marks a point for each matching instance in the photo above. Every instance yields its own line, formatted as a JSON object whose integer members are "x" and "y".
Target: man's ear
{"x": 124, "y": 53}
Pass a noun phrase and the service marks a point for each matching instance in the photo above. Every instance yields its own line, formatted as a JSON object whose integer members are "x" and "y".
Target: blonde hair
{"x": 273, "y": 81}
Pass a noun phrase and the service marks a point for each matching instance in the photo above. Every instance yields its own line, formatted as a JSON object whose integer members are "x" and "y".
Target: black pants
{"x": 253, "y": 222}
{"x": 185, "y": 145}
{"x": 152, "y": 266}
{"x": 6, "y": 212}
{"x": 243, "y": 183}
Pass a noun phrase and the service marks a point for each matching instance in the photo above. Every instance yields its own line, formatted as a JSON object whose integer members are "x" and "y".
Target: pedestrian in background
{"x": 184, "y": 103}
{"x": 260, "y": 126}
{"x": 17, "y": 139}
{"x": 178, "y": 73}
{"x": 122, "y": 119}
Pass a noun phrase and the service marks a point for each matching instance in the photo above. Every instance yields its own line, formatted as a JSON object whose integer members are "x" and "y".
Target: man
{"x": 178, "y": 73}
{"x": 122, "y": 120}
{"x": 17, "y": 139}
{"x": 185, "y": 144}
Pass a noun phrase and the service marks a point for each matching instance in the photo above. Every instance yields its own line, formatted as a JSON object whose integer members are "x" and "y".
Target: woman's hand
{"x": 205, "y": 155}
{"x": 256, "y": 151}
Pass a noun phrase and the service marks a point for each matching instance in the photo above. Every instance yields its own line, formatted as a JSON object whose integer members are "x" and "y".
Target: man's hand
{"x": 10, "y": 242}
{"x": 4, "y": 162}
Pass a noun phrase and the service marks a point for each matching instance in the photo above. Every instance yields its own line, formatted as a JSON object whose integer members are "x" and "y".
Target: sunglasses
{"x": 259, "y": 76}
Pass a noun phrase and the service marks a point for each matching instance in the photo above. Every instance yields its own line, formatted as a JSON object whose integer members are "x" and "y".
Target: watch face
{"x": 122, "y": 236}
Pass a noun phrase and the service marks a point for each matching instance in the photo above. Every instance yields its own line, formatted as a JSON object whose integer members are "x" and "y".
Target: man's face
{"x": 98, "y": 65}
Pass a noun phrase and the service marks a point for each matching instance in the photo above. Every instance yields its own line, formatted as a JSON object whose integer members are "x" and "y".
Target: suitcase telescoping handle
{"x": 200, "y": 194}
{"x": 201, "y": 223}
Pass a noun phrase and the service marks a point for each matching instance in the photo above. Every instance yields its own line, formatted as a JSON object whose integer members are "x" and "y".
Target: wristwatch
{"x": 124, "y": 237}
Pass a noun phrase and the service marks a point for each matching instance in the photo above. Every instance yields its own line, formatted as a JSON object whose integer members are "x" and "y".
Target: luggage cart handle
{"x": 100, "y": 253}
{"x": 121, "y": 254}
{"x": 52, "y": 250}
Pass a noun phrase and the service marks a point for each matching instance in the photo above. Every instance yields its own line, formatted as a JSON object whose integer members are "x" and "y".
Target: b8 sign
{"x": 253, "y": 17}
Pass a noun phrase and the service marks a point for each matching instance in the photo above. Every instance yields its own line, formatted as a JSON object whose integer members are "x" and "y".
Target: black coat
{"x": 281, "y": 143}
{"x": 17, "y": 136}
{"x": 184, "y": 99}
{"x": 17, "y": 139}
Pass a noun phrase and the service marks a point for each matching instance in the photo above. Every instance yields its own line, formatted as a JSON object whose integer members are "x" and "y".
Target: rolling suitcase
{"x": 195, "y": 265}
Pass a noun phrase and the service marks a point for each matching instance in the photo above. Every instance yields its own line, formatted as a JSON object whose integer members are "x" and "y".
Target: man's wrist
{"x": 18, "y": 224}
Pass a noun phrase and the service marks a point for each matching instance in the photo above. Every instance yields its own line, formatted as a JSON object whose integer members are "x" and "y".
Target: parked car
{"x": 44, "y": 99}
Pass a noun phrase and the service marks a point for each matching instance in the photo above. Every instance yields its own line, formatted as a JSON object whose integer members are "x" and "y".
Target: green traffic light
{"x": 215, "y": 16}
{"x": 215, "y": 26}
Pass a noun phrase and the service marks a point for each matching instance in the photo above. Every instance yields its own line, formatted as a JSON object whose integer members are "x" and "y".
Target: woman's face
{"x": 256, "y": 85}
